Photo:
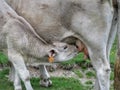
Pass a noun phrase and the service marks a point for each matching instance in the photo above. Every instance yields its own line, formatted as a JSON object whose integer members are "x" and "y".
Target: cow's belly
{"x": 93, "y": 26}
{"x": 76, "y": 15}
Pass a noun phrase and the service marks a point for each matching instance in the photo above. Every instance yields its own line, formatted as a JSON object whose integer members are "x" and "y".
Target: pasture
{"x": 83, "y": 70}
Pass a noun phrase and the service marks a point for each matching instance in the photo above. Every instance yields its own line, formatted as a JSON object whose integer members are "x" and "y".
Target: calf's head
{"x": 62, "y": 52}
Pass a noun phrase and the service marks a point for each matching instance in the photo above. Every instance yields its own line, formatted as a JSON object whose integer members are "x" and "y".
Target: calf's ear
{"x": 52, "y": 53}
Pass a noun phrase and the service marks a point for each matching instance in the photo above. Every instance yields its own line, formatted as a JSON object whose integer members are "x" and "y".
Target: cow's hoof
{"x": 46, "y": 83}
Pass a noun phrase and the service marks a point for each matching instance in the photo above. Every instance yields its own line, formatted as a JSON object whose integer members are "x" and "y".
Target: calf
{"x": 20, "y": 42}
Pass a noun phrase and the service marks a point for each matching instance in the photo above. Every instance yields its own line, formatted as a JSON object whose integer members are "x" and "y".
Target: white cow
{"x": 93, "y": 21}
{"x": 19, "y": 41}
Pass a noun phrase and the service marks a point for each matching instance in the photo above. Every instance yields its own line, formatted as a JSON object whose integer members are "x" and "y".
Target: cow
{"x": 92, "y": 21}
{"x": 19, "y": 41}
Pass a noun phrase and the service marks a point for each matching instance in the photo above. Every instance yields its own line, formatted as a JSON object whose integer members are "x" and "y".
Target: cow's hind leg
{"x": 102, "y": 68}
{"x": 45, "y": 77}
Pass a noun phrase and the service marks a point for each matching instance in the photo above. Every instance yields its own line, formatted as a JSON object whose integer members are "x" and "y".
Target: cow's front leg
{"x": 45, "y": 77}
{"x": 102, "y": 68}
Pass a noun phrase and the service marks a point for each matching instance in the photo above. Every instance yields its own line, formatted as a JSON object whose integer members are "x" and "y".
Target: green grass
{"x": 58, "y": 83}
{"x": 3, "y": 58}
{"x": 4, "y": 83}
{"x": 113, "y": 53}
{"x": 78, "y": 73}
{"x": 112, "y": 75}
{"x": 90, "y": 74}
{"x": 62, "y": 84}
{"x": 89, "y": 82}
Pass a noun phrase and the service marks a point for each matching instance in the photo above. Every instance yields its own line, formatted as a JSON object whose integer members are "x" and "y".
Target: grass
{"x": 3, "y": 58}
{"x": 89, "y": 82}
{"x": 4, "y": 83}
{"x": 58, "y": 83}
{"x": 90, "y": 74}
{"x": 113, "y": 53}
{"x": 65, "y": 84}
{"x": 78, "y": 73}
{"x": 112, "y": 76}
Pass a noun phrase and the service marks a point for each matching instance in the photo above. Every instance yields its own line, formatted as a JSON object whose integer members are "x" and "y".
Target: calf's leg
{"x": 20, "y": 70}
{"x": 17, "y": 82}
{"x": 14, "y": 77}
{"x": 45, "y": 77}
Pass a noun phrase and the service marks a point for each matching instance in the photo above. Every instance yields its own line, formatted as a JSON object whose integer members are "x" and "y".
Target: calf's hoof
{"x": 46, "y": 83}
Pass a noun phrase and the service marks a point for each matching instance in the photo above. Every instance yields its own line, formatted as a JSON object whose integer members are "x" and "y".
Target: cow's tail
{"x": 117, "y": 62}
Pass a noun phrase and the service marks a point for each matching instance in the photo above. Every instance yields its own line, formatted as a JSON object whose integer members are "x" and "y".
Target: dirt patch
{"x": 60, "y": 72}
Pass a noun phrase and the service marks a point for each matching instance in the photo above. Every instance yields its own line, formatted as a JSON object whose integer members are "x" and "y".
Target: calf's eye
{"x": 65, "y": 47}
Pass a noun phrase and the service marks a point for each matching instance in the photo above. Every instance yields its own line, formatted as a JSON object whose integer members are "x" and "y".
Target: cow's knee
{"x": 103, "y": 70}
{"x": 103, "y": 76}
